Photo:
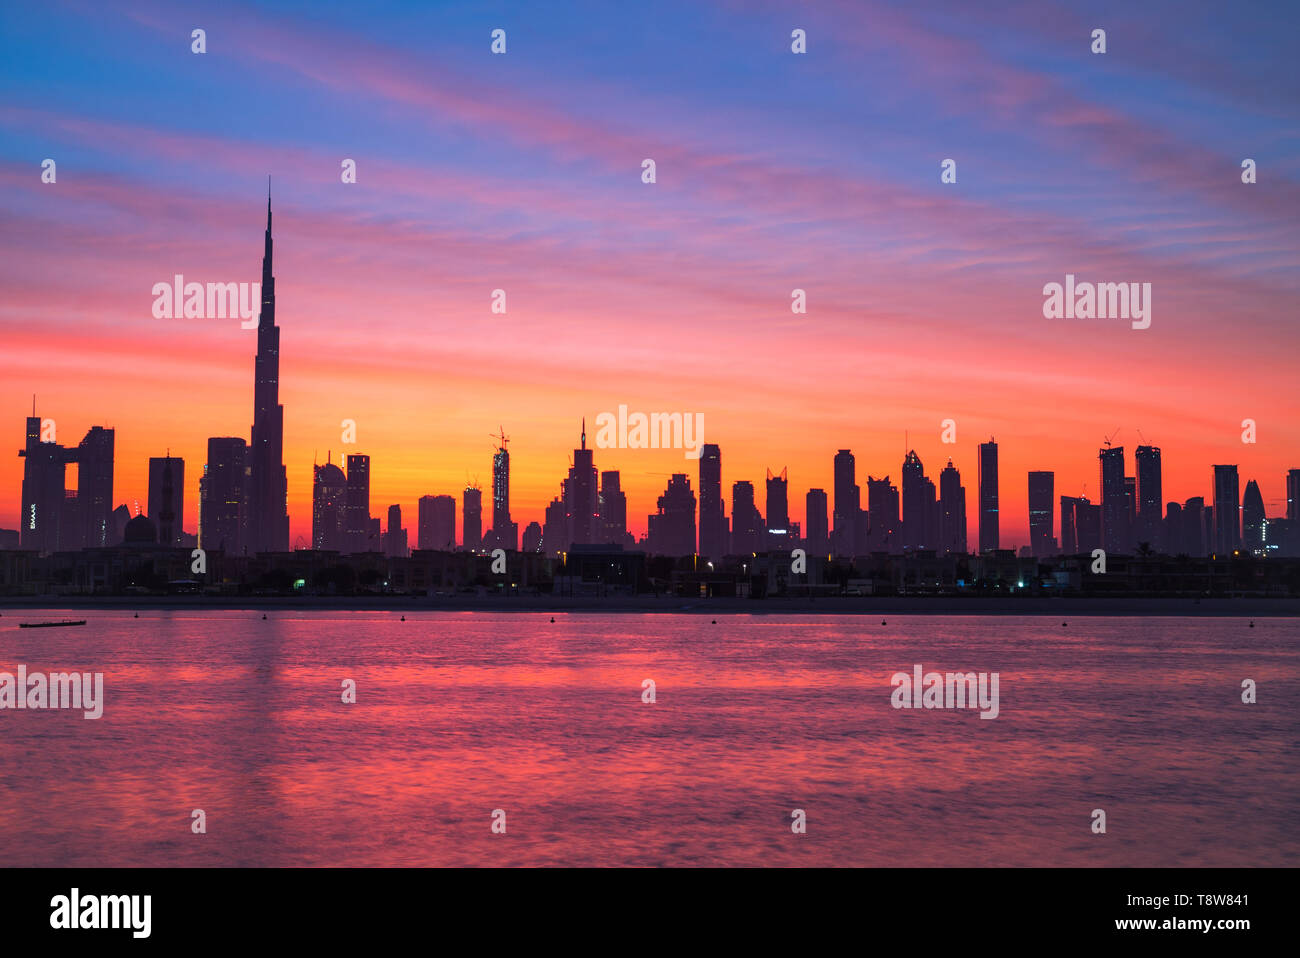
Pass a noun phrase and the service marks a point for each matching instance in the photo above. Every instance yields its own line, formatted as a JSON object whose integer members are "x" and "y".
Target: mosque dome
{"x": 140, "y": 530}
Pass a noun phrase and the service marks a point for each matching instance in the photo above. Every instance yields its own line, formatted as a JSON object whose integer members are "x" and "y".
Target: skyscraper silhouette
{"x": 472, "y": 518}
{"x": 1150, "y": 497}
{"x": 223, "y": 496}
{"x": 580, "y": 508}
{"x": 94, "y": 458}
{"x": 817, "y": 535}
{"x": 916, "y": 508}
{"x": 1252, "y": 518}
{"x": 882, "y": 506}
{"x": 1114, "y": 501}
{"x": 778, "y": 510}
{"x": 746, "y": 523}
{"x": 1041, "y": 489}
{"x": 1069, "y": 531}
{"x": 672, "y": 530}
{"x": 613, "y": 509}
{"x": 356, "y": 506}
{"x": 436, "y": 522}
{"x": 848, "y": 502}
{"x": 1194, "y": 540}
{"x": 990, "y": 537}
{"x": 505, "y": 533}
{"x": 329, "y": 509}
{"x": 268, "y": 514}
{"x": 713, "y": 519}
{"x": 1087, "y": 525}
{"x": 1227, "y": 508}
{"x": 395, "y": 538}
{"x": 952, "y": 511}
{"x": 44, "y": 472}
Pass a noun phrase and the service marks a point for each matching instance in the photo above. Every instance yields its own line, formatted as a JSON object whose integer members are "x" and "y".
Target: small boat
{"x": 49, "y": 625}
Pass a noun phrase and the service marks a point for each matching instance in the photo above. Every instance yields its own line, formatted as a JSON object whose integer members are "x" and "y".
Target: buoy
{"x": 137, "y": 615}
{"x": 882, "y": 621}
{"x": 1252, "y": 623}
{"x": 715, "y": 621}
{"x": 1062, "y": 625}
{"x": 403, "y": 618}
{"x": 263, "y": 615}
{"x": 552, "y": 618}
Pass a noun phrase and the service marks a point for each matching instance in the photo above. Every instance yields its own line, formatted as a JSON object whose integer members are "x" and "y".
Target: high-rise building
{"x": 914, "y": 505}
{"x": 395, "y": 538}
{"x": 613, "y": 510}
{"x": 1130, "y": 509}
{"x": 882, "y": 506}
{"x": 952, "y": 509}
{"x": 1293, "y": 494}
{"x": 556, "y": 528}
{"x": 746, "y": 523}
{"x": 1069, "y": 531}
{"x": 778, "y": 510}
{"x": 1252, "y": 519}
{"x": 1194, "y": 522}
{"x": 167, "y": 499}
{"x": 930, "y": 512}
{"x": 847, "y": 505}
{"x": 531, "y": 541}
{"x": 357, "y": 507}
{"x": 1171, "y": 532}
{"x": 988, "y": 493}
{"x": 267, "y": 512}
{"x": 1087, "y": 525}
{"x": 672, "y": 530}
{"x": 472, "y": 518}
{"x": 505, "y": 534}
{"x": 1042, "y": 488}
{"x": 581, "y": 512}
{"x": 437, "y": 523}
{"x": 1150, "y": 497}
{"x": 44, "y": 470}
{"x": 94, "y": 458}
{"x": 223, "y": 496}
{"x": 1227, "y": 510}
{"x": 1114, "y": 501}
{"x": 818, "y": 533}
{"x": 713, "y": 519}
{"x": 330, "y": 508}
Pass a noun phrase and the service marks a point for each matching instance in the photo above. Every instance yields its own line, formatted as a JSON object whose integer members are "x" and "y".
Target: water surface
{"x": 459, "y": 714}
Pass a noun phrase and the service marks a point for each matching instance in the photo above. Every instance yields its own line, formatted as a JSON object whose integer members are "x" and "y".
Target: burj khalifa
{"x": 268, "y": 514}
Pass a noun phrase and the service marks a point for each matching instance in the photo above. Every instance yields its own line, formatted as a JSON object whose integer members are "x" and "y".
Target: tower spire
{"x": 584, "y": 432}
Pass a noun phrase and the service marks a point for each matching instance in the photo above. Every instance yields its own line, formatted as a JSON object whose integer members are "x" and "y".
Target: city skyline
{"x": 924, "y": 299}
{"x": 912, "y": 514}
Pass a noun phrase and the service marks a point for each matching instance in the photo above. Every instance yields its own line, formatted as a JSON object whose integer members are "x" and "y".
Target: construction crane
{"x": 1112, "y": 436}
{"x": 501, "y": 435}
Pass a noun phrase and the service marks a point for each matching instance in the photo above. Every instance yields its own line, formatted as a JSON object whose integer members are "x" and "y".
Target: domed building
{"x": 140, "y": 532}
{"x": 329, "y": 499}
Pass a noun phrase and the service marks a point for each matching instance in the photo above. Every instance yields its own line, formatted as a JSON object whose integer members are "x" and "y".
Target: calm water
{"x": 458, "y": 714}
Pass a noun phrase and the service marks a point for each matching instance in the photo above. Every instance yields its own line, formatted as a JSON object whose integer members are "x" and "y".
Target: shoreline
{"x": 849, "y": 605}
